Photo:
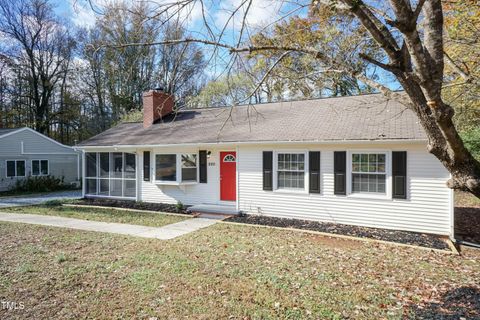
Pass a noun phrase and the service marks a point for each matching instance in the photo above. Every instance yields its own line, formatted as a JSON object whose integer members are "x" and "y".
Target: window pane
{"x": 35, "y": 168}
{"x": 44, "y": 167}
{"x": 381, "y": 158}
{"x": 166, "y": 167}
{"x": 301, "y": 166}
{"x": 91, "y": 186}
{"x": 129, "y": 165}
{"x": 364, "y": 167}
{"x": 104, "y": 164}
{"x": 381, "y": 186}
{"x": 368, "y": 162}
{"x": 381, "y": 167}
{"x": 189, "y": 160}
{"x": 116, "y": 165}
{"x": 291, "y": 170}
{"x": 291, "y": 180}
{"x": 10, "y": 168}
{"x": 116, "y": 187}
{"x": 372, "y": 183}
{"x": 20, "y": 168}
{"x": 104, "y": 187}
{"x": 91, "y": 159}
{"x": 129, "y": 188}
{"x": 189, "y": 167}
{"x": 364, "y": 183}
{"x": 189, "y": 174}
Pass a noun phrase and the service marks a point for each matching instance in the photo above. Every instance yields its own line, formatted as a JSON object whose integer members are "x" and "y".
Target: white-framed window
{"x": 166, "y": 167}
{"x": 189, "y": 167}
{"x": 110, "y": 174}
{"x": 176, "y": 167}
{"x": 369, "y": 172}
{"x": 40, "y": 168}
{"x": 290, "y": 170}
{"x": 15, "y": 168}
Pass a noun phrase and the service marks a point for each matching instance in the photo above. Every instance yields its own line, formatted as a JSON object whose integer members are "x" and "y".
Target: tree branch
{"x": 456, "y": 68}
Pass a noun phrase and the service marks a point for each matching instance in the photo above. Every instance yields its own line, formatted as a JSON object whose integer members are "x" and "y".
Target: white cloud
{"x": 260, "y": 13}
{"x": 82, "y": 14}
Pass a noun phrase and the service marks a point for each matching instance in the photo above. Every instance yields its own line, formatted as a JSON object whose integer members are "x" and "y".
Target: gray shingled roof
{"x": 367, "y": 117}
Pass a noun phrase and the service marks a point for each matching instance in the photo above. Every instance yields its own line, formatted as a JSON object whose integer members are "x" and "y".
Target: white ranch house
{"x": 357, "y": 160}
{"x": 24, "y": 152}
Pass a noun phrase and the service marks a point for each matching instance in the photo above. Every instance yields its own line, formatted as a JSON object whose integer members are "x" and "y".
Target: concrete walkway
{"x": 28, "y": 200}
{"x": 167, "y": 232}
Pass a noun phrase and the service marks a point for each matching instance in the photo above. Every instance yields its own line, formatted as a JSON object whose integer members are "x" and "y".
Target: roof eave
{"x": 378, "y": 141}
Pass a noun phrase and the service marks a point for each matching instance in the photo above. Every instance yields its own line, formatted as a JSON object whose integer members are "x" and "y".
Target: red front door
{"x": 228, "y": 176}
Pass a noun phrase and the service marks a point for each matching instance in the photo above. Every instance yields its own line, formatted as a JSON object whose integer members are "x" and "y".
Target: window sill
{"x": 175, "y": 183}
{"x": 294, "y": 191}
{"x": 369, "y": 196}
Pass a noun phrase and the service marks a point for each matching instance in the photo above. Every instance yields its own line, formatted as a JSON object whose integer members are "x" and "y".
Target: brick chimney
{"x": 156, "y": 105}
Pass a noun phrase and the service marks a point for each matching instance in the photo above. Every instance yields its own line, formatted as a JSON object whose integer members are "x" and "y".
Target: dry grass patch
{"x": 465, "y": 199}
{"x": 227, "y": 271}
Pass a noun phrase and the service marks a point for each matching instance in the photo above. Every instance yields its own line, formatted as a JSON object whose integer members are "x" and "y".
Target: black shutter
{"x": 203, "y": 166}
{"x": 314, "y": 168}
{"x": 146, "y": 165}
{"x": 399, "y": 174}
{"x": 268, "y": 170}
{"x": 340, "y": 172}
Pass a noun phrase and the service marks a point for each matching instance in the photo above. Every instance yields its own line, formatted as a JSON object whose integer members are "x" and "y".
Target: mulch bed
{"x": 131, "y": 204}
{"x": 412, "y": 238}
{"x": 467, "y": 224}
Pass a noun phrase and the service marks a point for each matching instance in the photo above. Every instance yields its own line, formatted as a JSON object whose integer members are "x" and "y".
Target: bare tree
{"x": 409, "y": 38}
{"x": 42, "y": 47}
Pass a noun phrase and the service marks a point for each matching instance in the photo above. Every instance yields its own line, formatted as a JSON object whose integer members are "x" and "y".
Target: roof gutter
{"x": 327, "y": 142}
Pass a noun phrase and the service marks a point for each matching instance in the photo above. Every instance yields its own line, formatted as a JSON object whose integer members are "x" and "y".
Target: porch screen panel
{"x": 111, "y": 174}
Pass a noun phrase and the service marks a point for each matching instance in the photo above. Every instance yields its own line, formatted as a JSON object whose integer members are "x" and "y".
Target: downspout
{"x": 468, "y": 244}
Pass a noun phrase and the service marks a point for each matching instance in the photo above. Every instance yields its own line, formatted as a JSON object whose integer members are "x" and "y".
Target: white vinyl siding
{"x": 426, "y": 209}
{"x": 24, "y": 144}
{"x": 190, "y": 193}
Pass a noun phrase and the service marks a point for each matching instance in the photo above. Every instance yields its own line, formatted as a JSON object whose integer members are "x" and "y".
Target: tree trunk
{"x": 443, "y": 140}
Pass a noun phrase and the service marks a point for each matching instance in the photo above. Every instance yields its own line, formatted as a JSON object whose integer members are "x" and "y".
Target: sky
{"x": 261, "y": 13}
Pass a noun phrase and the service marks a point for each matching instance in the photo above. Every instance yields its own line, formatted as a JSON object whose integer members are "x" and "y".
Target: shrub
{"x": 179, "y": 206}
{"x": 40, "y": 184}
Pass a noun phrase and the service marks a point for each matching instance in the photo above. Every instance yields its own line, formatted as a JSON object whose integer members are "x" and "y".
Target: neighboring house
{"x": 24, "y": 152}
{"x": 357, "y": 160}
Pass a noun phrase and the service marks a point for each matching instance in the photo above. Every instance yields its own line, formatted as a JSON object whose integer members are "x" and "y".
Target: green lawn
{"x": 97, "y": 214}
{"x": 228, "y": 272}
